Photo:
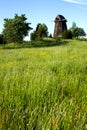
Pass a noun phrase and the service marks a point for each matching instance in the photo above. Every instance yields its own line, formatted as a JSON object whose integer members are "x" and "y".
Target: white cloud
{"x": 81, "y": 2}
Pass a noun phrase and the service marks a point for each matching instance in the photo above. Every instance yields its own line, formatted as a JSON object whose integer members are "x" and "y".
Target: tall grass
{"x": 44, "y": 88}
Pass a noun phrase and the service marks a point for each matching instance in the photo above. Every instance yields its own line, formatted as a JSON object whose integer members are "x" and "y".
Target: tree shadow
{"x": 46, "y": 43}
{"x": 36, "y": 44}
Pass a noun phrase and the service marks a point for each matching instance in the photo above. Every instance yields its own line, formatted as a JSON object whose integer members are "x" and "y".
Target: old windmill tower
{"x": 60, "y": 25}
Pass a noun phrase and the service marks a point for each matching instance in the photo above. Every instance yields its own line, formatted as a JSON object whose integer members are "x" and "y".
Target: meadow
{"x": 44, "y": 88}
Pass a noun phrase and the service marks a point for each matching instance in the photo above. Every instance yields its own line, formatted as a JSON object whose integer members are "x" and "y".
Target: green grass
{"x": 45, "y": 42}
{"x": 44, "y": 88}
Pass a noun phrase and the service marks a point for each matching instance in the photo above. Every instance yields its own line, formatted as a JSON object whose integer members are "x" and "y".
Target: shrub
{"x": 67, "y": 34}
{"x": 34, "y": 36}
{"x": 2, "y": 40}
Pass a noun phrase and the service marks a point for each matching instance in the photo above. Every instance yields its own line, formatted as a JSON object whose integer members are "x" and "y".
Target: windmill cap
{"x": 60, "y": 18}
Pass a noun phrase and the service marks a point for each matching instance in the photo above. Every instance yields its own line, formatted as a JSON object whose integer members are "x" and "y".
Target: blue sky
{"x": 45, "y": 11}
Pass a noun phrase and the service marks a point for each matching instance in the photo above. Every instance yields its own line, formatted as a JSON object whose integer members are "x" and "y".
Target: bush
{"x": 34, "y": 36}
{"x": 67, "y": 34}
{"x": 2, "y": 40}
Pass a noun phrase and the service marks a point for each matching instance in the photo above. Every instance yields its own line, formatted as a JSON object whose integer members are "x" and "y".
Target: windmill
{"x": 60, "y": 25}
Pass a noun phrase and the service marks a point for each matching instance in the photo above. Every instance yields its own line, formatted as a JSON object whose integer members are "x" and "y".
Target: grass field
{"x": 44, "y": 88}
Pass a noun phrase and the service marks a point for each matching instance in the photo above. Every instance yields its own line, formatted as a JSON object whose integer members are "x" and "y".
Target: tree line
{"x": 17, "y": 28}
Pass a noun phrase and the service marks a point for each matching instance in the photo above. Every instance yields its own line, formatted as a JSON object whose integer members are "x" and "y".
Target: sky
{"x": 45, "y": 11}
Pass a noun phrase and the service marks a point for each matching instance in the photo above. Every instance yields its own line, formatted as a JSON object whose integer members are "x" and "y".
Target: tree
{"x": 40, "y": 32}
{"x": 73, "y": 26}
{"x": 34, "y": 36}
{"x": 16, "y": 29}
{"x": 77, "y": 31}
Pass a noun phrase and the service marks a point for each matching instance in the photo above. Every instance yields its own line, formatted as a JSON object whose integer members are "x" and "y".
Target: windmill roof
{"x": 60, "y": 18}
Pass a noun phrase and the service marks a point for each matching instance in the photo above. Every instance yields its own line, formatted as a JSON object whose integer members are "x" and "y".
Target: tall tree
{"x": 73, "y": 26}
{"x": 77, "y": 31}
{"x": 16, "y": 29}
{"x": 40, "y": 32}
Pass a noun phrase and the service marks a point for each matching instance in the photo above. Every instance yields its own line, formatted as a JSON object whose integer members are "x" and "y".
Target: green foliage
{"x": 44, "y": 88}
{"x": 44, "y": 42}
{"x": 16, "y": 29}
{"x": 40, "y": 32}
{"x": 67, "y": 34}
{"x": 1, "y": 39}
{"x": 77, "y": 31}
{"x": 73, "y": 26}
{"x": 28, "y": 45}
{"x": 34, "y": 36}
